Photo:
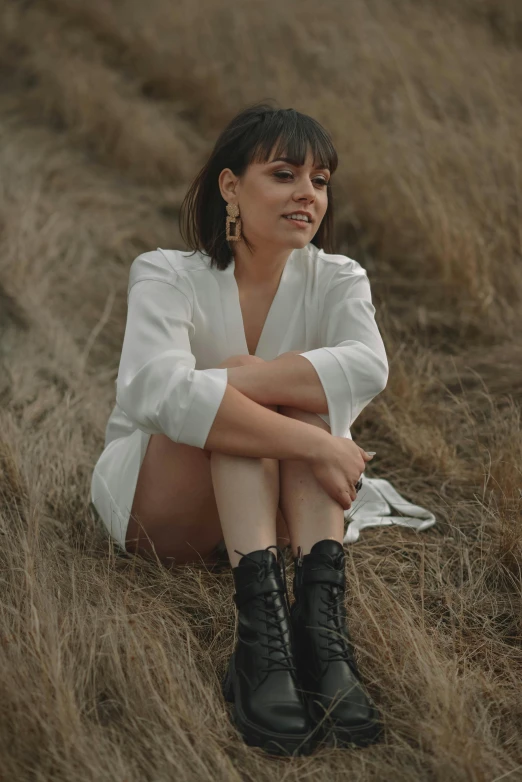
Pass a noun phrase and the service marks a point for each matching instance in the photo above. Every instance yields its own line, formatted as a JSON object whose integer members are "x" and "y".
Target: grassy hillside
{"x": 110, "y": 666}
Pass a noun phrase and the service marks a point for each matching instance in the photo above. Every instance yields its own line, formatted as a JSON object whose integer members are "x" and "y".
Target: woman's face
{"x": 267, "y": 192}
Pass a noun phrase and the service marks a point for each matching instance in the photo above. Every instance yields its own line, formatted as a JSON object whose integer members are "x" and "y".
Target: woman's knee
{"x": 303, "y": 415}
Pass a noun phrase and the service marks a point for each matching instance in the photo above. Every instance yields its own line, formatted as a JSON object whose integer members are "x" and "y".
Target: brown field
{"x": 110, "y": 666}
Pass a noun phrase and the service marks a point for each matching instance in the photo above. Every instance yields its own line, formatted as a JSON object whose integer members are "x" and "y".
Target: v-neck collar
{"x": 278, "y": 317}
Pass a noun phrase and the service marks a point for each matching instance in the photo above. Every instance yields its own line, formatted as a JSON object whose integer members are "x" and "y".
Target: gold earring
{"x": 235, "y": 221}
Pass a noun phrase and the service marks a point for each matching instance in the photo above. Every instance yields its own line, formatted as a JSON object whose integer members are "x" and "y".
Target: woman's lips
{"x": 300, "y": 223}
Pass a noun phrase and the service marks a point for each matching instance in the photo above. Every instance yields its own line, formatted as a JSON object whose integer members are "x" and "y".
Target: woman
{"x": 253, "y": 447}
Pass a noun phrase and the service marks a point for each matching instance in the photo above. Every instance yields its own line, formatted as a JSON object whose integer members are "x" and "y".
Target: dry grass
{"x": 110, "y": 667}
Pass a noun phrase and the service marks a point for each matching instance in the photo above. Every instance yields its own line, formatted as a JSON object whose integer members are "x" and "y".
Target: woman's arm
{"x": 286, "y": 380}
{"x": 244, "y": 428}
{"x": 347, "y": 372}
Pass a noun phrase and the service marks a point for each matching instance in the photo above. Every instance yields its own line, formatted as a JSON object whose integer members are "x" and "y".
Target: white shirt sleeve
{"x": 352, "y": 365}
{"x": 158, "y": 386}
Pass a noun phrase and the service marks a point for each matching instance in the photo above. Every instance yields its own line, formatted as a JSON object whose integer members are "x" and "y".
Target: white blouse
{"x": 184, "y": 318}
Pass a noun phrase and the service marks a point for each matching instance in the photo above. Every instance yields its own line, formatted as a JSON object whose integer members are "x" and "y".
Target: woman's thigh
{"x": 174, "y": 508}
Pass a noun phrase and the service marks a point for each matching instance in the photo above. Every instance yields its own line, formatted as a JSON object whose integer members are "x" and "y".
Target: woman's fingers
{"x": 367, "y": 455}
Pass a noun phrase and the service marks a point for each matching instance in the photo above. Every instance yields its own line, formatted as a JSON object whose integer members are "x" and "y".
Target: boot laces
{"x": 338, "y": 646}
{"x": 269, "y": 607}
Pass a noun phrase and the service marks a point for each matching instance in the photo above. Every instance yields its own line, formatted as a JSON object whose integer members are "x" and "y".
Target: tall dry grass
{"x": 111, "y": 666}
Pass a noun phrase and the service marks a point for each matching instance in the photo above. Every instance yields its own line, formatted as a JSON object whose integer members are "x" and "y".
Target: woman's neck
{"x": 264, "y": 267}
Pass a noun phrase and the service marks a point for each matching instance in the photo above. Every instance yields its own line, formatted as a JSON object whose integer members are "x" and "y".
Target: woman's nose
{"x": 306, "y": 191}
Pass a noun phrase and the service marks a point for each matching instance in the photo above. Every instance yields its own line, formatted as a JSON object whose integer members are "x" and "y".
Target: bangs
{"x": 291, "y": 134}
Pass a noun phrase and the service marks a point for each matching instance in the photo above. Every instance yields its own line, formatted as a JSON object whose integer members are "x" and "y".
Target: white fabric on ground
{"x": 373, "y": 508}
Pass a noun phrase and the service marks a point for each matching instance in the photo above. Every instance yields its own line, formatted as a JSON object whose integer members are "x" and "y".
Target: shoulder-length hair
{"x": 250, "y": 137}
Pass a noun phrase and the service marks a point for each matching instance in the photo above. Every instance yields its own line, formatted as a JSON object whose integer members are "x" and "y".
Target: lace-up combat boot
{"x": 261, "y": 681}
{"x": 339, "y": 706}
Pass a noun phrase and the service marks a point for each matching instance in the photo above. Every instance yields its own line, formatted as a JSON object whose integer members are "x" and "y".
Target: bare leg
{"x": 310, "y": 513}
{"x": 247, "y": 496}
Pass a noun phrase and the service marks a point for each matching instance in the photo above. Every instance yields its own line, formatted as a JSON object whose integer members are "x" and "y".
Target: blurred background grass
{"x": 110, "y": 667}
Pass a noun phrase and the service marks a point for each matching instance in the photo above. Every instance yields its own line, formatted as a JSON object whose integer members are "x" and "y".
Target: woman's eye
{"x": 284, "y": 174}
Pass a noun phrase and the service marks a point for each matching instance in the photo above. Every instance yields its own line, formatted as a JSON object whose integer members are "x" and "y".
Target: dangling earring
{"x": 235, "y": 221}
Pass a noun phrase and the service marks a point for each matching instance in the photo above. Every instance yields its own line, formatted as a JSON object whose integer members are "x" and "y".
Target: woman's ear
{"x": 227, "y": 181}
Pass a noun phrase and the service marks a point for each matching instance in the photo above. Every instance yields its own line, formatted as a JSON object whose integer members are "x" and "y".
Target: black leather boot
{"x": 323, "y": 650}
{"x": 261, "y": 681}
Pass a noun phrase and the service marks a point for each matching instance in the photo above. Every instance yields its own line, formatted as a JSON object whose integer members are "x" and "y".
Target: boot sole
{"x": 330, "y": 733}
{"x": 364, "y": 735}
{"x": 277, "y": 744}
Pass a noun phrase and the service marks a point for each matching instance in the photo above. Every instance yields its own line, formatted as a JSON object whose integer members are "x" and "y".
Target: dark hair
{"x": 250, "y": 137}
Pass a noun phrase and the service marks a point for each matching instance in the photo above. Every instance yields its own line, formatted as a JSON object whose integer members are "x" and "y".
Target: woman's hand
{"x": 338, "y": 467}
